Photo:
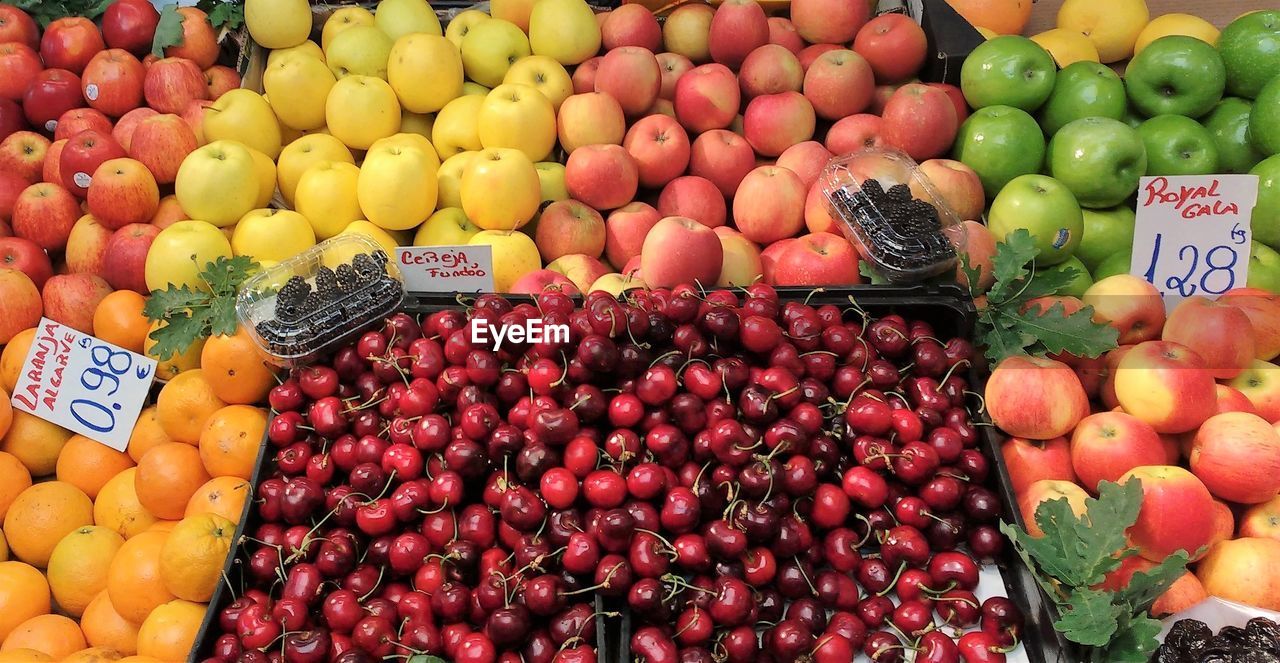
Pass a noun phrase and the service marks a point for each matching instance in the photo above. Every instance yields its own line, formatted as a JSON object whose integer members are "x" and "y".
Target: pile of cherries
{"x": 752, "y": 479}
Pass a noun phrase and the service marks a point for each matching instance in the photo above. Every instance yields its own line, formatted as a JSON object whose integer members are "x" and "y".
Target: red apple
{"x": 1130, "y": 304}
{"x": 540, "y": 280}
{"x": 1047, "y": 490}
{"x": 1220, "y": 333}
{"x": 1260, "y": 383}
{"x": 569, "y": 226}
{"x": 69, "y": 43}
{"x": 769, "y": 205}
{"x": 581, "y": 270}
{"x": 76, "y": 120}
{"x": 1035, "y": 398}
{"x": 1229, "y": 399}
{"x": 1224, "y": 523}
{"x": 122, "y": 192}
{"x": 811, "y": 53}
{"x": 660, "y": 148}
{"x": 27, "y": 257}
{"x": 774, "y": 122}
{"x": 707, "y": 97}
{"x": 680, "y": 250}
{"x": 51, "y": 93}
{"x": 593, "y": 118}
{"x": 1262, "y": 520}
{"x": 1245, "y": 570}
{"x": 11, "y": 186}
{"x": 738, "y": 27}
{"x": 1029, "y": 461}
{"x": 131, "y": 25}
{"x": 673, "y": 66}
{"x": 1185, "y": 592}
{"x": 1111, "y": 361}
{"x": 806, "y": 160}
{"x": 1176, "y": 514}
{"x": 1166, "y": 385}
{"x": 894, "y": 45}
{"x": 770, "y": 69}
{"x": 12, "y": 119}
{"x": 18, "y": 26}
{"x": 632, "y": 76}
{"x": 783, "y": 33}
{"x": 87, "y": 246}
{"x": 631, "y": 269}
{"x": 980, "y": 247}
{"x": 722, "y": 157}
{"x": 221, "y": 79}
{"x": 161, "y": 143}
{"x": 957, "y": 99}
{"x": 855, "y": 133}
{"x": 23, "y": 154}
{"x": 584, "y": 76}
{"x": 171, "y": 84}
{"x": 815, "y": 260}
{"x": 72, "y": 298}
{"x": 19, "y": 65}
{"x": 625, "y": 230}
{"x": 817, "y": 213}
{"x": 1237, "y": 456}
{"x": 1106, "y": 445}
{"x": 82, "y": 156}
{"x": 52, "y": 170}
{"x": 1263, "y": 309}
{"x": 128, "y": 123}
{"x": 20, "y": 305}
{"x": 631, "y": 25}
{"x": 126, "y": 257}
{"x": 839, "y": 83}
{"x": 45, "y": 214}
{"x": 602, "y": 176}
{"x": 920, "y": 121}
{"x": 958, "y": 186}
{"x": 693, "y": 197}
{"x": 112, "y": 82}
{"x": 829, "y": 21}
{"x": 199, "y": 42}
{"x": 742, "y": 265}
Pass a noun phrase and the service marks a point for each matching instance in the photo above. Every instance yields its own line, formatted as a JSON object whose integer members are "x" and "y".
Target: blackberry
{"x": 347, "y": 279}
{"x": 327, "y": 284}
{"x": 366, "y": 267}
{"x": 872, "y": 189}
{"x": 898, "y": 193}
{"x": 294, "y": 291}
{"x": 313, "y": 302}
{"x": 380, "y": 257}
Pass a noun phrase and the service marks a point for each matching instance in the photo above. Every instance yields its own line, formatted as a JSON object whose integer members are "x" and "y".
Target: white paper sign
{"x": 458, "y": 268}
{"x": 83, "y": 384}
{"x": 1193, "y": 234}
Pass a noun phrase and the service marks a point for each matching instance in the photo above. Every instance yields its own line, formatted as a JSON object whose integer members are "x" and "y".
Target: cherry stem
{"x": 893, "y": 583}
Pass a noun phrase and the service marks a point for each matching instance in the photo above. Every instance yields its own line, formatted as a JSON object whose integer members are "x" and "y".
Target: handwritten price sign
{"x": 462, "y": 268}
{"x": 83, "y": 384}
{"x": 1192, "y": 235}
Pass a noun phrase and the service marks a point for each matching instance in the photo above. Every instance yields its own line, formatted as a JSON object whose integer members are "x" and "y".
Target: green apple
{"x": 1083, "y": 89}
{"x": 999, "y": 143}
{"x": 1106, "y": 231}
{"x": 1043, "y": 206}
{"x": 1077, "y": 285}
{"x": 1266, "y": 214}
{"x": 1264, "y": 268}
{"x": 1099, "y": 159}
{"x": 1228, "y": 123}
{"x": 1009, "y": 71}
{"x": 1132, "y": 117}
{"x": 1250, "y": 48}
{"x": 1175, "y": 75}
{"x": 1264, "y": 121}
{"x": 1178, "y": 145}
{"x": 1116, "y": 263}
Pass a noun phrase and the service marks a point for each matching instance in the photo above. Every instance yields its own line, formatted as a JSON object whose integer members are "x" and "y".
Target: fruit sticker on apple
{"x": 1192, "y": 234}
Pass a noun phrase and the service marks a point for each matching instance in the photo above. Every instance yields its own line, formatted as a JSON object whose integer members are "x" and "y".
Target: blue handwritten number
{"x": 1237, "y": 234}
{"x": 1181, "y": 284}
{"x": 80, "y": 404}
{"x": 102, "y": 376}
{"x": 1233, "y": 257}
{"x": 1155, "y": 257}
{"x": 109, "y": 360}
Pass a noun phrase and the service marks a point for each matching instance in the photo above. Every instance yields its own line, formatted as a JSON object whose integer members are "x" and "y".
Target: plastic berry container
{"x": 893, "y": 214}
{"x": 299, "y": 309}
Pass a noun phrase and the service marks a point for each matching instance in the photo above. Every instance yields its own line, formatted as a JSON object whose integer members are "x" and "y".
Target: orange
{"x": 171, "y": 366}
{"x": 24, "y": 656}
{"x": 54, "y": 635}
{"x": 89, "y": 465}
{"x": 35, "y": 442}
{"x": 133, "y": 581}
{"x": 167, "y": 478}
{"x": 164, "y": 526}
{"x": 224, "y": 496}
{"x": 235, "y": 368}
{"x": 104, "y": 627}
{"x": 185, "y": 405}
{"x": 14, "y": 355}
{"x": 78, "y": 566}
{"x": 6, "y": 412}
{"x": 4, "y": 548}
{"x": 117, "y": 507}
{"x": 192, "y": 559}
{"x": 41, "y": 516}
{"x": 231, "y": 439}
{"x": 94, "y": 655}
{"x": 14, "y": 478}
{"x": 170, "y": 630}
{"x": 1006, "y": 17}
{"x": 119, "y": 320}
{"x": 24, "y": 594}
{"x": 146, "y": 433}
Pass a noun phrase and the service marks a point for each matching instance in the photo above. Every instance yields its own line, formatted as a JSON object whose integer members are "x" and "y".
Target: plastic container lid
{"x": 302, "y": 307}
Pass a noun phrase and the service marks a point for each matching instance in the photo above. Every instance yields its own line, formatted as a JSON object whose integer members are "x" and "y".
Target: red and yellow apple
{"x": 122, "y": 192}
{"x": 1237, "y": 456}
{"x": 694, "y": 197}
{"x": 20, "y": 303}
{"x": 1047, "y": 490}
{"x": 171, "y": 84}
{"x": 602, "y": 176}
{"x": 1035, "y": 398}
{"x": 806, "y": 160}
{"x": 855, "y": 133}
{"x": 625, "y": 230}
{"x": 723, "y": 157}
{"x": 1106, "y": 445}
{"x": 1220, "y": 333}
{"x": 1262, "y": 520}
{"x": 1029, "y": 461}
{"x": 707, "y": 97}
{"x": 659, "y": 147}
{"x": 1130, "y": 304}
{"x": 1176, "y": 514}
{"x": 816, "y": 259}
{"x": 1166, "y": 385}
{"x": 774, "y": 122}
{"x": 124, "y": 265}
{"x": 742, "y": 265}
{"x": 23, "y": 153}
{"x": 680, "y": 250}
{"x": 569, "y": 226}
{"x": 769, "y": 205}
{"x": 631, "y": 75}
{"x": 1245, "y": 570}
{"x": 839, "y": 83}
{"x": 72, "y": 298}
{"x": 87, "y": 246}
{"x": 594, "y": 118}
{"x": 45, "y": 213}
{"x": 737, "y": 28}
{"x": 1260, "y": 383}
{"x": 582, "y": 270}
{"x": 1263, "y": 309}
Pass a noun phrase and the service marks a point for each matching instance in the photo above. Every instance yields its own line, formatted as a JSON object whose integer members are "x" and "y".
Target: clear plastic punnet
{"x": 893, "y": 214}
{"x": 305, "y": 306}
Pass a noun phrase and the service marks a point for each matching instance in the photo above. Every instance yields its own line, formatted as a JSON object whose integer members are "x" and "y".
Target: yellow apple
{"x": 425, "y": 70}
{"x": 278, "y": 23}
{"x": 180, "y": 252}
{"x": 408, "y": 139}
{"x": 386, "y": 240}
{"x": 449, "y": 226}
{"x": 218, "y": 183}
{"x": 489, "y": 49}
{"x": 544, "y": 74}
{"x": 566, "y": 30}
{"x": 299, "y": 155}
{"x": 359, "y": 51}
{"x": 297, "y": 87}
{"x": 461, "y": 24}
{"x": 362, "y": 109}
{"x": 398, "y": 18}
{"x": 308, "y": 48}
{"x": 326, "y": 195}
{"x": 456, "y": 128}
{"x": 397, "y": 184}
{"x": 342, "y": 20}
{"x": 551, "y": 181}
{"x": 615, "y": 284}
{"x": 265, "y": 171}
{"x": 449, "y": 180}
{"x": 272, "y": 235}
{"x": 417, "y": 123}
{"x": 519, "y": 117}
{"x": 500, "y": 170}
{"x": 514, "y": 255}
{"x": 472, "y": 88}
{"x": 515, "y": 11}
{"x": 243, "y": 115}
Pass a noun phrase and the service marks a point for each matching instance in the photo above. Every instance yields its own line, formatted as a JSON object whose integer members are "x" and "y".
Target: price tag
{"x": 1192, "y": 235}
{"x": 83, "y": 384}
{"x": 460, "y": 268}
